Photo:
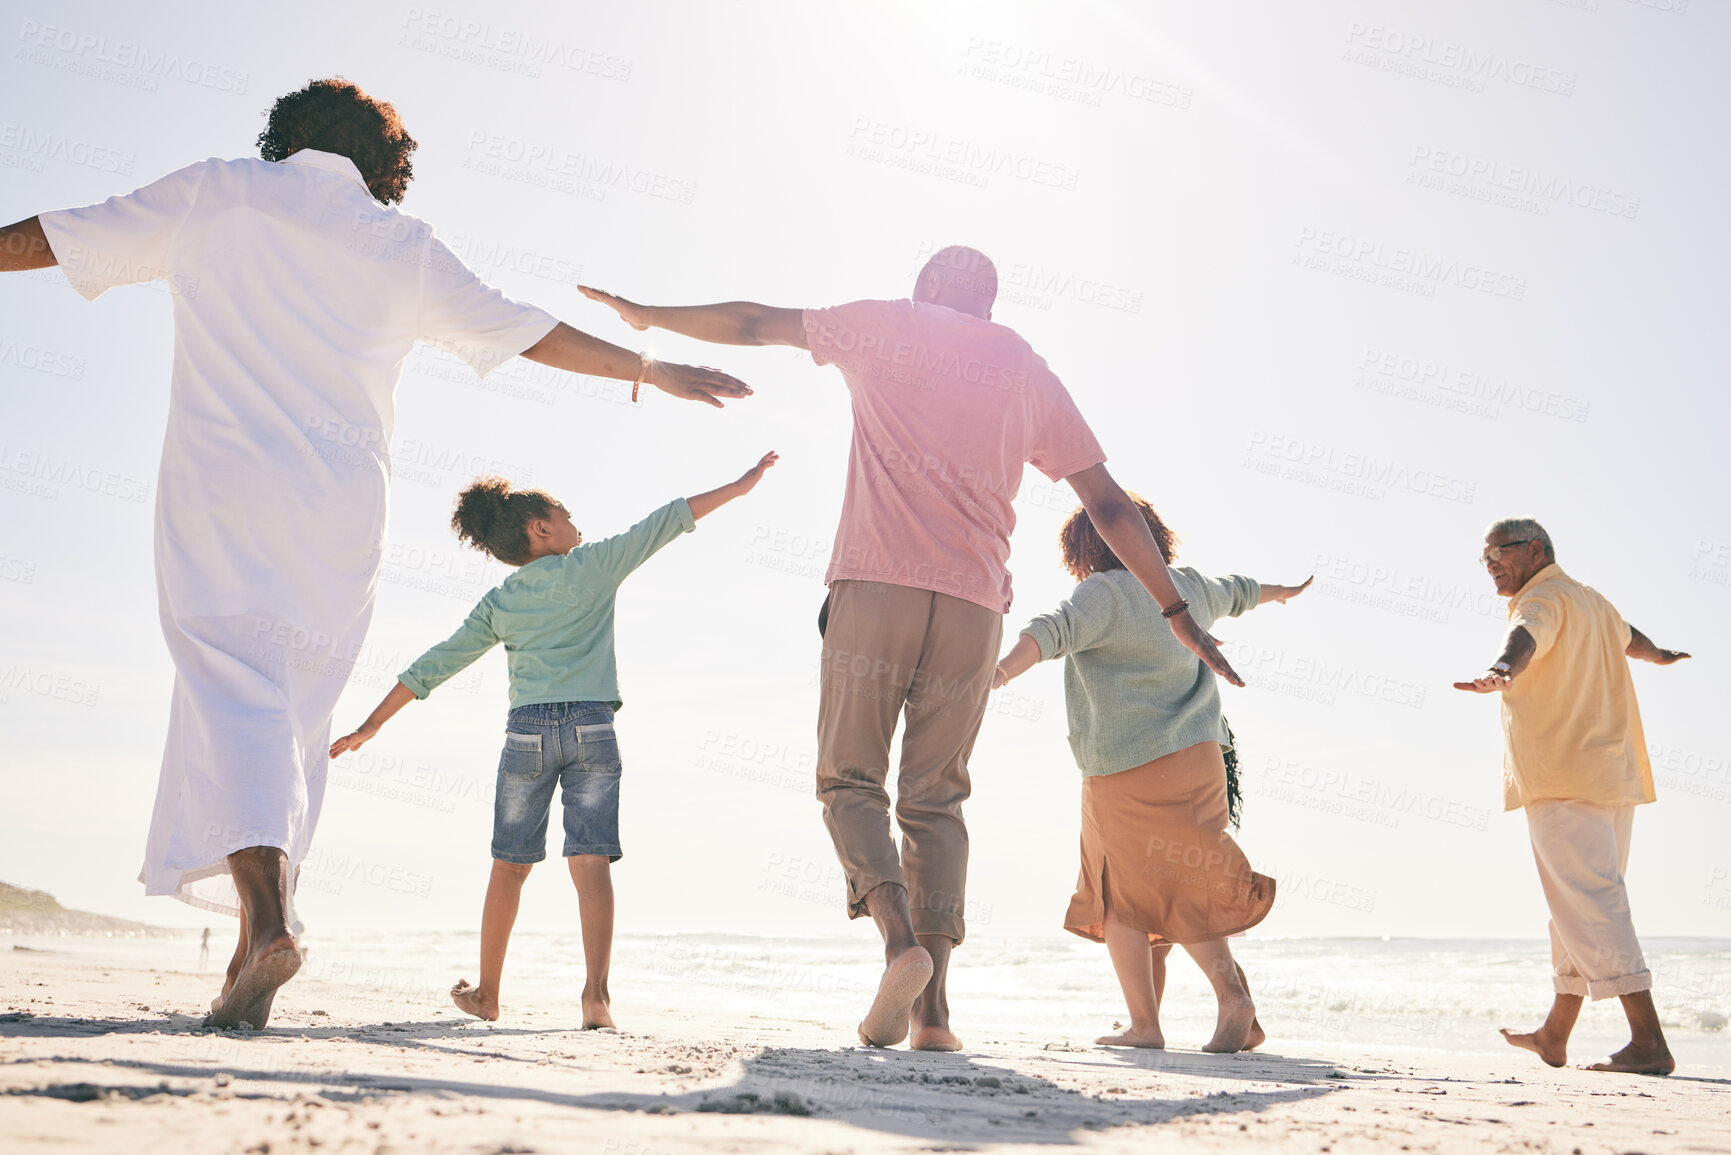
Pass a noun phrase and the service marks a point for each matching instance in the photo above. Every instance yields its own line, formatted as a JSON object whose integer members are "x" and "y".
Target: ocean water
{"x": 1399, "y": 996}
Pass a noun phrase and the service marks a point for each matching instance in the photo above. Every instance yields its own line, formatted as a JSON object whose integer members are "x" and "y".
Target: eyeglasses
{"x": 1495, "y": 552}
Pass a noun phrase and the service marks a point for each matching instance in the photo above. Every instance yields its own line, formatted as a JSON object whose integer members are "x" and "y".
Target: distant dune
{"x": 36, "y": 912}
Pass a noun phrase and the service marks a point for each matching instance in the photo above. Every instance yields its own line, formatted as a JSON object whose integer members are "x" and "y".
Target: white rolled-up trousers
{"x": 1582, "y": 850}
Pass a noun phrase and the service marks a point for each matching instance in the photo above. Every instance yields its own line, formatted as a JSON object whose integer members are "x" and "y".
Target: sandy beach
{"x": 99, "y": 1057}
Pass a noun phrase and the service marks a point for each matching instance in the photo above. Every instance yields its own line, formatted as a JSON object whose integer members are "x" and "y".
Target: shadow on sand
{"x": 962, "y": 1097}
{"x": 396, "y": 1034}
{"x": 955, "y": 1097}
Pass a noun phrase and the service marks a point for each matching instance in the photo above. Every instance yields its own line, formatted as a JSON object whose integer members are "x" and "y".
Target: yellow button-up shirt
{"x": 1571, "y": 727}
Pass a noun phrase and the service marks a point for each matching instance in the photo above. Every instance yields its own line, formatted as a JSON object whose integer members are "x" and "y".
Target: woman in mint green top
{"x": 554, "y": 616}
{"x": 1158, "y": 865}
{"x": 1130, "y": 694}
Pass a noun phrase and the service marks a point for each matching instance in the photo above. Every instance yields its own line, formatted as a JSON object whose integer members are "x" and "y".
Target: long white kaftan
{"x": 296, "y": 298}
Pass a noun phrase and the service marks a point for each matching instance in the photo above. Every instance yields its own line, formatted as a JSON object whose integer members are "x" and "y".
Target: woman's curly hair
{"x": 1086, "y": 552}
{"x": 494, "y": 518}
{"x": 337, "y": 116}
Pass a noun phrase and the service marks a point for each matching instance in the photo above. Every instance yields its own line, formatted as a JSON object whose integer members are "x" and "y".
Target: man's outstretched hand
{"x": 1488, "y": 684}
{"x": 633, "y": 314}
{"x": 720, "y": 323}
{"x": 696, "y": 382}
{"x": 1203, "y": 644}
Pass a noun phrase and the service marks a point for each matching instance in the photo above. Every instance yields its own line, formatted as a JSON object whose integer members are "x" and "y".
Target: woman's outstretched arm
{"x": 577, "y": 352}
{"x": 1022, "y": 657}
{"x": 24, "y": 246}
{"x": 1281, "y": 593}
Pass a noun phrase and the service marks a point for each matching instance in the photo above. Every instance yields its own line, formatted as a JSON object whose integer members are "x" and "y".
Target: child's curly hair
{"x": 337, "y": 116}
{"x": 494, "y": 518}
{"x": 1086, "y": 552}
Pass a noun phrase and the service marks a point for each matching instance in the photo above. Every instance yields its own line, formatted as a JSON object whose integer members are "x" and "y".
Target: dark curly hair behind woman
{"x": 494, "y": 518}
{"x": 1086, "y": 552}
{"x": 337, "y": 116}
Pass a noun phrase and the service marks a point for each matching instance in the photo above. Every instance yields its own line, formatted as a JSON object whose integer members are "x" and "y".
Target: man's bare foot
{"x": 1148, "y": 1037}
{"x": 596, "y": 1013}
{"x": 1635, "y": 1061}
{"x": 472, "y": 1001}
{"x": 248, "y": 1000}
{"x": 886, "y": 1023}
{"x": 1232, "y": 1029}
{"x": 1257, "y": 1036}
{"x": 1554, "y": 1053}
{"x": 933, "y": 1038}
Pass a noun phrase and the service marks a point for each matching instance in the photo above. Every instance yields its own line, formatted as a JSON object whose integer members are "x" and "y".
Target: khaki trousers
{"x": 892, "y": 650}
{"x": 1582, "y": 850}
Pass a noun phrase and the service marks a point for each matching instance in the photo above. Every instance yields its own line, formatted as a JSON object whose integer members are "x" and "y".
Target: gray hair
{"x": 1523, "y": 527}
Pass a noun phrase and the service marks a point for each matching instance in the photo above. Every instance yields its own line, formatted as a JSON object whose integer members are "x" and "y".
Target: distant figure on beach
{"x": 298, "y": 292}
{"x": 1576, "y": 759}
{"x": 1158, "y": 865}
{"x": 554, "y": 616}
{"x": 947, "y": 407}
{"x": 204, "y": 948}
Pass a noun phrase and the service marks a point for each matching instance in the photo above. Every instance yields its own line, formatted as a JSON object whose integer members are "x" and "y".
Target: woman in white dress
{"x": 298, "y": 291}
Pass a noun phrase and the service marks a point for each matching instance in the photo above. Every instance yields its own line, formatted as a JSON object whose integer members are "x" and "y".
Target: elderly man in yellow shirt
{"x": 1575, "y": 758}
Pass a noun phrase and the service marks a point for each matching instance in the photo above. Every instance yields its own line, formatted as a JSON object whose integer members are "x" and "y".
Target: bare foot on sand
{"x": 933, "y": 1038}
{"x": 1636, "y": 1061}
{"x": 264, "y": 1010}
{"x": 1554, "y": 1053}
{"x": 1257, "y": 1036}
{"x": 471, "y": 1001}
{"x": 1232, "y": 1029}
{"x": 886, "y": 1024}
{"x": 248, "y": 999}
{"x": 596, "y": 1013}
{"x": 1149, "y": 1037}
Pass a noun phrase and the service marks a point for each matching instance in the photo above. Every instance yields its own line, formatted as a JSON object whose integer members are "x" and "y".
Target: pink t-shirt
{"x": 946, "y": 408}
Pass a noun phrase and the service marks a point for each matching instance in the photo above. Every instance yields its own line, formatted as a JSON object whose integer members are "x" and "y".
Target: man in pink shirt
{"x": 948, "y": 406}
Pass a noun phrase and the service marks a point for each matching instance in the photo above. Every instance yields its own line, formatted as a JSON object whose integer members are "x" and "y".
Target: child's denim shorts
{"x": 569, "y": 744}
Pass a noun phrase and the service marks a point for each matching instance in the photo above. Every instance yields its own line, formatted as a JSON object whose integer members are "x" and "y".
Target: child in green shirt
{"x": 554, "y": 616}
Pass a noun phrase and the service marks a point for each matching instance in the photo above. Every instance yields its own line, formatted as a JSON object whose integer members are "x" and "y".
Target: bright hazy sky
{"x": 1336, "y": 283}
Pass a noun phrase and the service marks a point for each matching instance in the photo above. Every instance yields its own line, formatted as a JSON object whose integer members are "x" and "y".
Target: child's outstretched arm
{"x": 1022, "y": 657}
{"x": 704, "y": 503}
{"x": 472, "y": 639}
{"x": 399, "y": 697}
{"x": 1281, "y": 593}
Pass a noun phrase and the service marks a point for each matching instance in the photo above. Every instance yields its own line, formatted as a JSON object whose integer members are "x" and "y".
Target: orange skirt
{"x": 1155, "y": 847}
